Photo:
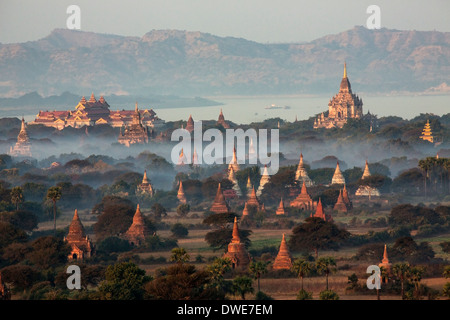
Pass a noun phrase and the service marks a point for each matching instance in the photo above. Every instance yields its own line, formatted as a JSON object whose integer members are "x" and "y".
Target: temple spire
{"x": 345, "y": 70}
{"x": 235, "y": 238}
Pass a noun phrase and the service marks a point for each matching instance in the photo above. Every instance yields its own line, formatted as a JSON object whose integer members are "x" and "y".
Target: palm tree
{"x": 217, "y": 269}
{"x": 416, "y": 275}
{"x": 54, "y": 194}
{"x": 257, "y": 269}
{"x": 302, "y": 268}
{"x": 179, "y": 255}
{"x": 242, "y": 285}
{"x": 16, "y": 196}
{"x": 402, "y": 271}
{"x": 325, "y": 266}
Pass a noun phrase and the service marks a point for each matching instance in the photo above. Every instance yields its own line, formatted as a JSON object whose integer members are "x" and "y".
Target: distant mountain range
{"x": 171, "y": 62}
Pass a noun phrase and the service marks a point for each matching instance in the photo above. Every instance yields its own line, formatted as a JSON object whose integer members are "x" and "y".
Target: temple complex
{"x": 94, "y": 112}
{"x": 221, "y": 121}
{"x": 180, "y": 195}
{"x": 303, "y": 200}
{"x": 264, "y": 180}
{"x": 283, "y": 261}
{"x": 338, "y": 177}
{"x": 134, "y": 133}
{"x": 138, "y": 231}
{"x": 81, "y": 245}
{"x": 22, "y": 148}
{"x": 343, "y": 106}
{"x": 364, "y": 190}
{"x": 427, "y": 135}
{"x": 301, "y": 175}
{"x": 240, "y": 258}
{"x": 145, "y": 187}
{"x": 280, "y": 209}
{"x": 219, "y": 205}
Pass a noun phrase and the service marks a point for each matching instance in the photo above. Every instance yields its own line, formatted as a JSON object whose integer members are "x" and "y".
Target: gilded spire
{"x": 345, "y": 70}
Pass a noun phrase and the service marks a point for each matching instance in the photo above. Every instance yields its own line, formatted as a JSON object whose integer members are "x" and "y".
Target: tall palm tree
{"x": 258, "y": 268}
{"x": 302, "y": 268}
{"x": 54, "y": 194}
{"x": 16, "y": 196}
{"x": 326, "y": 266}
{"x": 402, "y": 272}
{"x": 416, "y": 275}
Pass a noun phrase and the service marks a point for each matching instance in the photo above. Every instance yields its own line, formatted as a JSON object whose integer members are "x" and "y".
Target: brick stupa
{"x": 265, "y": 178}
{"x": 237, "y": 253}
{"x": 340, "y": 205}
{"x": 78, "y": 241}
{"x": 234, "y": 163}
{"x": 221, "y": 121}
{"x": 280, "y": 209}
{"x": 320, "y": 213}
{"x": 253, "y": 199}
{"x": 284, "y": 258}
{"x": 219, "y": 205}
{"x": 138, "y": 231}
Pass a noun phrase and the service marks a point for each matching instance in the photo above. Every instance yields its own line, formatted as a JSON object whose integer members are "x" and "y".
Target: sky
{"x": 265, "y": 21}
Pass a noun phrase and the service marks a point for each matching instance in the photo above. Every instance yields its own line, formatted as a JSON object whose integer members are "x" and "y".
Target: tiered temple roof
{"x": 93, "y": 112}
{"x": 77, "y": 239}
{"x": 219, "y": 205}
{"x": 283, "y": 261}
{"x": 427, "y": 135}
{"x": 343, "y": 106}
{"x": 385, "y": 261}
{"x": 303, "y": 200}
{"x": 237, "y": 253}
{"x": 138, "y": 231}
{"x": 145, "y": 186}
{"x": 135, "y": 133}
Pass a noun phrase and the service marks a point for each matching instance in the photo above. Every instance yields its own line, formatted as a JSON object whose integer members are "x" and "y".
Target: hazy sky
{"x": 258, "y": 20}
